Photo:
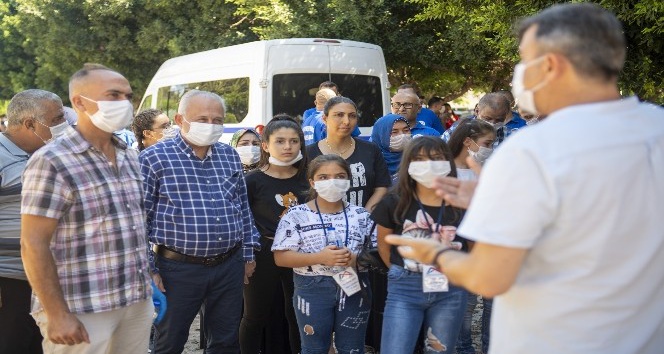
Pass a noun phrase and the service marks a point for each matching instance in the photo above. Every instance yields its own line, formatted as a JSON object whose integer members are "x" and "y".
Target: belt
{"x": 206, "y": 261}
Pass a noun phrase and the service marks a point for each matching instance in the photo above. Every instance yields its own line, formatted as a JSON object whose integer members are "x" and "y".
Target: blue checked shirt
{"x": 196, "y": 207}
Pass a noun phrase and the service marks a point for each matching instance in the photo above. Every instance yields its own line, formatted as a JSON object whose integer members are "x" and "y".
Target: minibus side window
{"x": 234, "y": 91}
{"x": 147, "y": 103}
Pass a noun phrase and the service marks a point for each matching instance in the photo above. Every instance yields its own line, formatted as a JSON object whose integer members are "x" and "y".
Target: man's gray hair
{"x": 29, "y": 104}
{"x": 495, "y": 101}
{"x": 184, "y": 101}
{"x": 589, "y": 36}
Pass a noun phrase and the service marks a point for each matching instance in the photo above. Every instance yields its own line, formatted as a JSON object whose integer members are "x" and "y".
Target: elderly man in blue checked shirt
{"x": 200, "y": 224}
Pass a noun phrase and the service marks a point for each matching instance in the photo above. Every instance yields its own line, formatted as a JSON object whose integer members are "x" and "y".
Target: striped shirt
{"x": 99, "y": 246}
{"x": 197, "y": 207}
{"x": 12, "y": 164}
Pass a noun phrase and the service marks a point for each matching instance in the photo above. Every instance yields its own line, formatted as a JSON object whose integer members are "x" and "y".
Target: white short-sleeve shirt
{"x": 583, "y": 191}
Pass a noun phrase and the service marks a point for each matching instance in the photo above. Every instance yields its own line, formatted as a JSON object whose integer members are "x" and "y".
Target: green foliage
{"x": 3, "y": 107}
{"x": 489, "y": 24}
{"x": 17, "y": 66}
{"x": 643, "y": 21}
{"x": 46, "y": 41}
{"x": 444, "y": 47}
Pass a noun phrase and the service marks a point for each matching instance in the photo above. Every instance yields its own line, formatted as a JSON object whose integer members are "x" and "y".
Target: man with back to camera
{"x": 199, "y": 220}
{"x": 313, "y": 125}
{"x": 314, "y": 110}
{"x": 34, "y": 118}
{"x": 581, "y": 270}
{"x": 513, "y": 120}
{"x": 82, "y": 227}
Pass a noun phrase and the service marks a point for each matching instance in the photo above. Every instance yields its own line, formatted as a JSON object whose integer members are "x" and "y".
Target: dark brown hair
{"x": 468, "y": 128}
{"x": 283, "y": 120}
{"x": 406, "y": 188}
{"x": 318, "y": 162}
{"x": 589, "y": 36}
{"x": 144, "y": 121}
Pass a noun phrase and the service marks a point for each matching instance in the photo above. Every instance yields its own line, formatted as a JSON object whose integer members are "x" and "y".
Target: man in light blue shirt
{"x": 30, "y": 116}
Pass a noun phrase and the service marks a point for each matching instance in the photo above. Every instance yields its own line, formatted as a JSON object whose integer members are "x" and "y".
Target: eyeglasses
{"x": 406, "y": 105}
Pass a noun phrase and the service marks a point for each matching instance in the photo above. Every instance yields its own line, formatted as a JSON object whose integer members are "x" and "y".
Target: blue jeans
{"x": 188, "y": 287}
{"x": 465, "y": 341}
{"x": 322, "y": 308}
{"x": 408, "y": 309}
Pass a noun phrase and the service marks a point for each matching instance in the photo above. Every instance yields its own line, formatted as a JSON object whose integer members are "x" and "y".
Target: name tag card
{"x": 348, "y": 281}
{"x": 433, "y": 280}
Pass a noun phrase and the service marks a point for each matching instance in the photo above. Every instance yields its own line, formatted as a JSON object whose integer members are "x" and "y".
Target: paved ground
{"x": 194, "y": 333}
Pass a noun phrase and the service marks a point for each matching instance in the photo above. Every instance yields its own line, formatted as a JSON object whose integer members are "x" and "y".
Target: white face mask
{"x": 56, "y": 131}
{"x": 425, "y": 172}
{"x": 249, "y": 155}
{"x": 59, "y": 129}
{"x": 275, "y": 161}
{"x": 525, "y": 98}
{"x": 399, "y": 142}
{"x": 112, "y": 115}
{"x": 332, "y": 190}
{"x": 482, "y": 153}
{"x": 203, "y": 134}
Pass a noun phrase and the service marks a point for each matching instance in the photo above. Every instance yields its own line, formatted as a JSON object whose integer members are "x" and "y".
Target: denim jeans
{"x": 322, "y": 308}
{"x": 188, "y": 287}
{"x": 408, "y": 309}
{"x": 465, "y": 341}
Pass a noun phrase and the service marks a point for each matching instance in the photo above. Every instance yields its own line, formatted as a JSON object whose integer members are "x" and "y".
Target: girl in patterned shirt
{"x": 320, "y": 240}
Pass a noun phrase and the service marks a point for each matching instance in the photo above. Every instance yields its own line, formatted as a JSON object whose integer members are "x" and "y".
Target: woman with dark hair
{"x": 149, "y": 126}
{"x": 369, "y": 176}
{"x": 247, "y": 143}
{"x": 320, "y": 240}
{"x": 277, "y": 184}
{"x": 418, "y": 295}
{"x": 472, "y": 137}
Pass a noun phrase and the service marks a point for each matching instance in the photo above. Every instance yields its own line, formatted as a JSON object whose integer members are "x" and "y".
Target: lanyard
{"x": 441, "y": 212}
{"x": 323, "y": 222}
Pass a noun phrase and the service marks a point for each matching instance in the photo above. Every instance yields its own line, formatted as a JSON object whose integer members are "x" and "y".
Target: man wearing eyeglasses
{"x": 408, "y": 105}
{"x": 425, "y": 116}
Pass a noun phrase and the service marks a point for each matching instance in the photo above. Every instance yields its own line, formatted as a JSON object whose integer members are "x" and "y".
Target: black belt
{"x": 206, "y": 261}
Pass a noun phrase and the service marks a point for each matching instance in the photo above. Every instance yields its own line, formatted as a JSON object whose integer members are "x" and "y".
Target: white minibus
{"x": 264, "y": 78}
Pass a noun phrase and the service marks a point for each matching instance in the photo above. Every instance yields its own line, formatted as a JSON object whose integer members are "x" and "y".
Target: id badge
{"x": 433, "y": 281}
{"x": 348, "y": 281}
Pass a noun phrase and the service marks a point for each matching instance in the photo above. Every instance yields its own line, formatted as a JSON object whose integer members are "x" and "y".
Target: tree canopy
{"x": 443, "y": 47}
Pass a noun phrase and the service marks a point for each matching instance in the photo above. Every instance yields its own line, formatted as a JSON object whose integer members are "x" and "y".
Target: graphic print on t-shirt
{"x": 286, "y": 200}
{"x": 301, "y": 230}
{"x": 358, "y": 179}
{"x": 421, "y": 228}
